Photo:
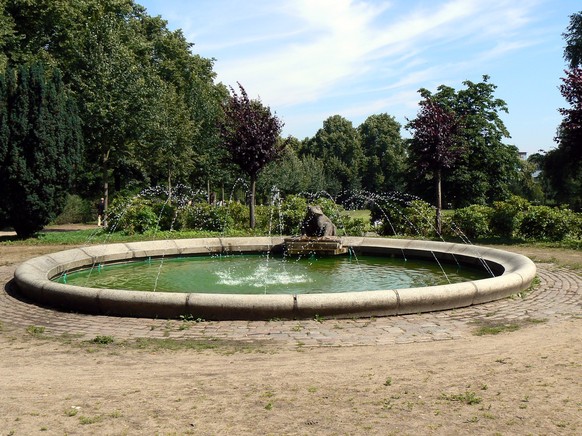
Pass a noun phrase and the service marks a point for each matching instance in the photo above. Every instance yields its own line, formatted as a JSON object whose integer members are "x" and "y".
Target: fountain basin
{"x": 514, "y": 273}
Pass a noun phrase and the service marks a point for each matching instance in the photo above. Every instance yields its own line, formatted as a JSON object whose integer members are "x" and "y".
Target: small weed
{"x": 388, "y": 381}
{"x": 72, "y": 411}
{"x": 297, "y": 328}
{"x": 387, "y": 404}
{"x": 537, "y": 320}
{"x": 503, "y": 360}
{"x": 318, "y": 318}
{"x": 484, "y": 387}
{"x": 34, "y": 330}
{"x": 472, "y": 420}
{"x": 495, "y": 329}
{"x": 103, "y": 340}
{"x": 312, "y": 389}
{"x": 269, "y": 406}
{"x": 116, "y": 414}
{"x": 468, "y": 397}
{"x": 87, "y": 420}
{"x": 561, "y": 424}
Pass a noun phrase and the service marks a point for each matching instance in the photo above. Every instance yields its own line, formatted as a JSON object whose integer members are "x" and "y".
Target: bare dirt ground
{"x": 521, "y": 382}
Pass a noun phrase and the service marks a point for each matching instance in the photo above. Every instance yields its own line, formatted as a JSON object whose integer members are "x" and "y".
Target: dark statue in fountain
{"x": 318, "y": 235}
{"x": 316, "y": 223}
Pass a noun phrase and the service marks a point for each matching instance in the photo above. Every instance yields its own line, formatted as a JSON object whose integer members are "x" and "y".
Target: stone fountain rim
{"x": 33, "y": 280}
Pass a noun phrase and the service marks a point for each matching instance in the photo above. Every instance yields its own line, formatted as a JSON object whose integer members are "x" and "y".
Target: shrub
{"x": 76, "y": 210}
{"x": 550, "y": 224}
{"x": 293, "y": 211}
{"x": 237, "y": 215}
{"x": 415, "y": 219}
{"x": 204, "y": 216}
{"x": 166, "y": 213}
{"x": 507, "y": 215}
{"x": 353, "y": 226}
{"x": 133, "y": 216}
{"x": 473, "y": 220}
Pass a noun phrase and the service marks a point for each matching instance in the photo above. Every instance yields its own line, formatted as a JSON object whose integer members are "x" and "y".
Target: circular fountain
{"x": 511, "y": 273}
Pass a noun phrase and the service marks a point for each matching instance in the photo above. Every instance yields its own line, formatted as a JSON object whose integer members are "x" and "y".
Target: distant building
{"x": 522, "y": 155}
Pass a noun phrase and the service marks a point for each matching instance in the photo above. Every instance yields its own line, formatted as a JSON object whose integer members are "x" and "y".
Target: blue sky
{"x": 311, "y": 59}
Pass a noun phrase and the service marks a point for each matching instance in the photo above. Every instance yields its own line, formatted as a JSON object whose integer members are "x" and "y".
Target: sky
{"x": 311, "y": 59}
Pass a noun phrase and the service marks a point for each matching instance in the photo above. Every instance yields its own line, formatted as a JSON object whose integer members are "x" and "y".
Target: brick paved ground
{"x": 557, "y": 297}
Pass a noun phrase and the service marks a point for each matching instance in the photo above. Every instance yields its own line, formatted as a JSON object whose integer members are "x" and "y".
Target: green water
{"x": 259, "y": 274}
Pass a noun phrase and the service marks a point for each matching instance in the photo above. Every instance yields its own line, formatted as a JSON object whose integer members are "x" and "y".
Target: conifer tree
{"x": 40, "y": 145}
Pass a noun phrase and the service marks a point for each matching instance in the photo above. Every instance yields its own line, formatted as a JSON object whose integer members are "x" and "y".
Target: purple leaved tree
{"x": 435, "y": 144}
{"x": 251, "y": 134}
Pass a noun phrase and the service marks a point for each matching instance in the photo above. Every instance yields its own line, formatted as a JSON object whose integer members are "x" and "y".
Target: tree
{"x": 573, "y": 37}
{"x": 385, "y": 154}
{"x": 487, "y": 169}
{"x": 435, "y": 144}
{"x": 293, "y": 174}
{"x": 40, "y": 146}
{"x": 563, "y": 165}
{"x": 338, "y": 144}
{"x": 250, "y": 133}
{"x": 124, "y": 68}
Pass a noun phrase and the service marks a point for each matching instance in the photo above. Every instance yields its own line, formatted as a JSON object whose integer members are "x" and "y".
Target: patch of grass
{"x": 388, "y": 381}
{"x": 495, "y": 329}
{"x": 71, "y": 412}
{"x": 88, "y": 420}
{"x": 103, "y": 340}
{"x": 35, "y": 331}
{"x": 363, "y": 214}
{"x": 468, "y": 397}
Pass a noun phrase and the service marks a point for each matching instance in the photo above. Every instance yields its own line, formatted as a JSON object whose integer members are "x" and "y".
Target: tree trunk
{"x": 105, "y": 169}
{"x": 252, "y": 201}
{"x": 439, "y": 207}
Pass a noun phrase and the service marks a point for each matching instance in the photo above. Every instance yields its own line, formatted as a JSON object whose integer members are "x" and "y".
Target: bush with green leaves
{"x": 353, "y": 226}
{"x": 506, "y": 216}
{"x": 77, "y": 210}
{"x": 550, "y": 224}
{"x": 415, "y": 218}
{"x": 132, "y": 216}
{"x": 473, "y": 221}
{"x": 167, "y": 213}
{"x": 293, "y": 210}
{"x": 204, "y": 216}
{"x": 238, "y": 215}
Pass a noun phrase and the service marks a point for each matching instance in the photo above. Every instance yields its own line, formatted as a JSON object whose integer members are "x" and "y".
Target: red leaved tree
{"x": 435, "y": 144}
{"x": 251, "y": 134}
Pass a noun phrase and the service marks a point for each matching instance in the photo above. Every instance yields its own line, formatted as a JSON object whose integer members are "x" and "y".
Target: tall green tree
{"x": 385, "y": 154}
{"x": 489, "y": 166}
{"x": 436, "y": 145}
{"x": 573, "y": 38}
{"x": 40, "y": 146}
{"x": 251, "y": 133}
{"x": 123, "y": 66}
{"x": 338, "y": 144}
